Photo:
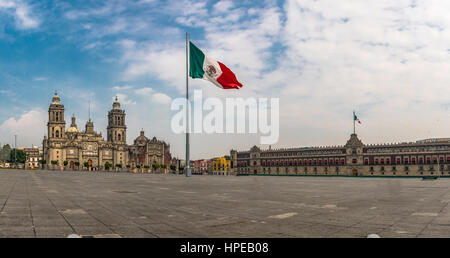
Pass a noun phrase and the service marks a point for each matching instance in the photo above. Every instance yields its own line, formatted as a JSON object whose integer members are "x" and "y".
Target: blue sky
{"x": 389, "y": 61}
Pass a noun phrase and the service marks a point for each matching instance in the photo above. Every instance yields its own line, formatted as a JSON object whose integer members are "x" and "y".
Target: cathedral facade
{"x": 430, "y": 157}
{"x": 76, "y": 148}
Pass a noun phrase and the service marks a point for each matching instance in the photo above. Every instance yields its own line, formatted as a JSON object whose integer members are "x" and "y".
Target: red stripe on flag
{"x": 227, "y": 79}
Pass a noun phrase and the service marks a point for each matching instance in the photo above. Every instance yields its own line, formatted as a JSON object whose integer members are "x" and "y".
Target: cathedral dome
{"x": 73, "y": 130}
{"x": 55, "y": 99}
{"x": 141, "y": 139}
{"x": 116, "y": 104}
{"x": 73, "y": 127}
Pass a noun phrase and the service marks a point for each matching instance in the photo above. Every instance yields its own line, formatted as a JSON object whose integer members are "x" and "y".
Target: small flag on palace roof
{"x": 357, "y": 119}
{"x": 204, "y": 67}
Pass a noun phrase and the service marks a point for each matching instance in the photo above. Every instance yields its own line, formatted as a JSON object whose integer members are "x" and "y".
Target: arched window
{"x": 118, "y": 137}
{"x": 56, "y": 118}
{"x": 57, "y": 133}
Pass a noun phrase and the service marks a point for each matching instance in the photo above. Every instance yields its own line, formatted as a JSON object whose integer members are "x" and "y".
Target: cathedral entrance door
{"x": 71, "y": 165}
{"x": 90, "y": 163}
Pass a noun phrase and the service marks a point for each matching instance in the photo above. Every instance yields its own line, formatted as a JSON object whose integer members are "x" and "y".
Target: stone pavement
{"x": 102, "y": 204}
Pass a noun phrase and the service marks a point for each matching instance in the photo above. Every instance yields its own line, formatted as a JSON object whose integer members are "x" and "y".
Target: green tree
{"x": 108, "y": 165}
{"x": 163, "y": 165}
{"x": 54, "y": 162}
{"x": 77, "y": 163}
{"x": 20, "y": 155}
{"x": 86, "y": 164}
{"x": 172, "y": 167}
{"x": 146, "y": 166}
{"x": 66, "y": 162}
{"x": 4, "y": 152}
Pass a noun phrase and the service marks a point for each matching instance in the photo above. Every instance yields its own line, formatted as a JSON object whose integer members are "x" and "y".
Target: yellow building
{"x": 221, "y": 166}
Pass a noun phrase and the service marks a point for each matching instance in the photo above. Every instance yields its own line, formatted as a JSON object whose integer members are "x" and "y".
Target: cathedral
{"x": 76, "y": 148}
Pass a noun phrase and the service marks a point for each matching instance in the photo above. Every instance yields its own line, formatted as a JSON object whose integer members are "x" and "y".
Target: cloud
{"x": 161, "y": 98}
{"x": 122, "y": 88}
{"x": 29, "y": 128}
{"x": 23, "y": 16}
{"x": 37, "y": 79}
{"x": 144, "y": 91}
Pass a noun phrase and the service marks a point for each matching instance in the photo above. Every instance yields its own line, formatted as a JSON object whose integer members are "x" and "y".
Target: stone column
{"x": 100, "y": 158}
{"x": 80, "y": 158}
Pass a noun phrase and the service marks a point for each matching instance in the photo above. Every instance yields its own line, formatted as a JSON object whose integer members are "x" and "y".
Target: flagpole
{"x": 187, "y": 165}
{"x": 354, "y": 131}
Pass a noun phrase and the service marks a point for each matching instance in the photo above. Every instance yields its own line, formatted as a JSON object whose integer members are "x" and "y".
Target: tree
{"x": 5, "y": 152}
{"x": 66, "y": 162}
{"x": 118, "y": 165}
{"x": 172, "y": 167}
{"x": 108, "y": 165}
{"x": 18, "y": 155}
{"x": 86, "y": 164}
{"x": 163, "y": 165}
{"x": 54, "y": 162}
{"x": 146, "y": 166}
{"x": 77, "y": 163}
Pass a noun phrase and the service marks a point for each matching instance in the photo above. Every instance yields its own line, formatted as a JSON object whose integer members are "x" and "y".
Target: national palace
{"x": 424, "y": 157}
{"x": 75, "y": 147}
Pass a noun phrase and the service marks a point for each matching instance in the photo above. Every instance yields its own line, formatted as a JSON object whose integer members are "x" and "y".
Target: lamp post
{"x": 15, "y": 150}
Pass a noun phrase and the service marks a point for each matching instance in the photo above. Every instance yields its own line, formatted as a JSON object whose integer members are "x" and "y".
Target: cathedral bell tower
{"x": 56, "y": 124}
{"x": 117, "y": 130}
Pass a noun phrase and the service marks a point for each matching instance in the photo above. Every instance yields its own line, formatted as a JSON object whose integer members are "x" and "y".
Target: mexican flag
{"x": 356, "y": 118}
{"x": 204, "y": 67}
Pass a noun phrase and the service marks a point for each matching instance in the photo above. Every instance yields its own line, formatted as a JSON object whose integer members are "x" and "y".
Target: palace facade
{"x": 79, "y": 147}
{"x": 424, "y": 157}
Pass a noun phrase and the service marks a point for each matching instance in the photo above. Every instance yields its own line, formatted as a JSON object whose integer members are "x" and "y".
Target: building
{"x": 221, "y": 166}
{"x": 147, "y": 152}
{"x": 34, "y": 155}
{"x": 200, "y": 167}
{"x": 88, "y": 148}
{"x": 424, "y": 157}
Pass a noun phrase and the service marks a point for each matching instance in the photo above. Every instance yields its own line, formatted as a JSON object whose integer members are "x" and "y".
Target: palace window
{"x": 420, "y": 160}
{"x": 434, "y": 160}
{"x": 428, "y": 160}
{"x": 366, "y": 161}
{"x": 406, "y": 160}
{"x": 382, "y": 161}
{"x": 325, "y": 162}
{"x": 398, "y": 161}
{"x": 342, "y": 161}
{"x": 413, "y": 160}
{"x": 354, "y": 161}
{"x": 388, "y": 161}
{"x": 376, "y": 161}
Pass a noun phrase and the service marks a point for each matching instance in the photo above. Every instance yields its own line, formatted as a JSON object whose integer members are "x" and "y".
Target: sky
{"x": 387, "y": 60}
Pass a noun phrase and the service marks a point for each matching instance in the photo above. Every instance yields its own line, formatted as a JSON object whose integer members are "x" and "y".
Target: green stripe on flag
{"x": 196, "y": 58}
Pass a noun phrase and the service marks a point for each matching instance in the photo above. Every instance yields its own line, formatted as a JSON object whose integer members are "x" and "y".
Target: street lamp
{"x": 15, "y": 150}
